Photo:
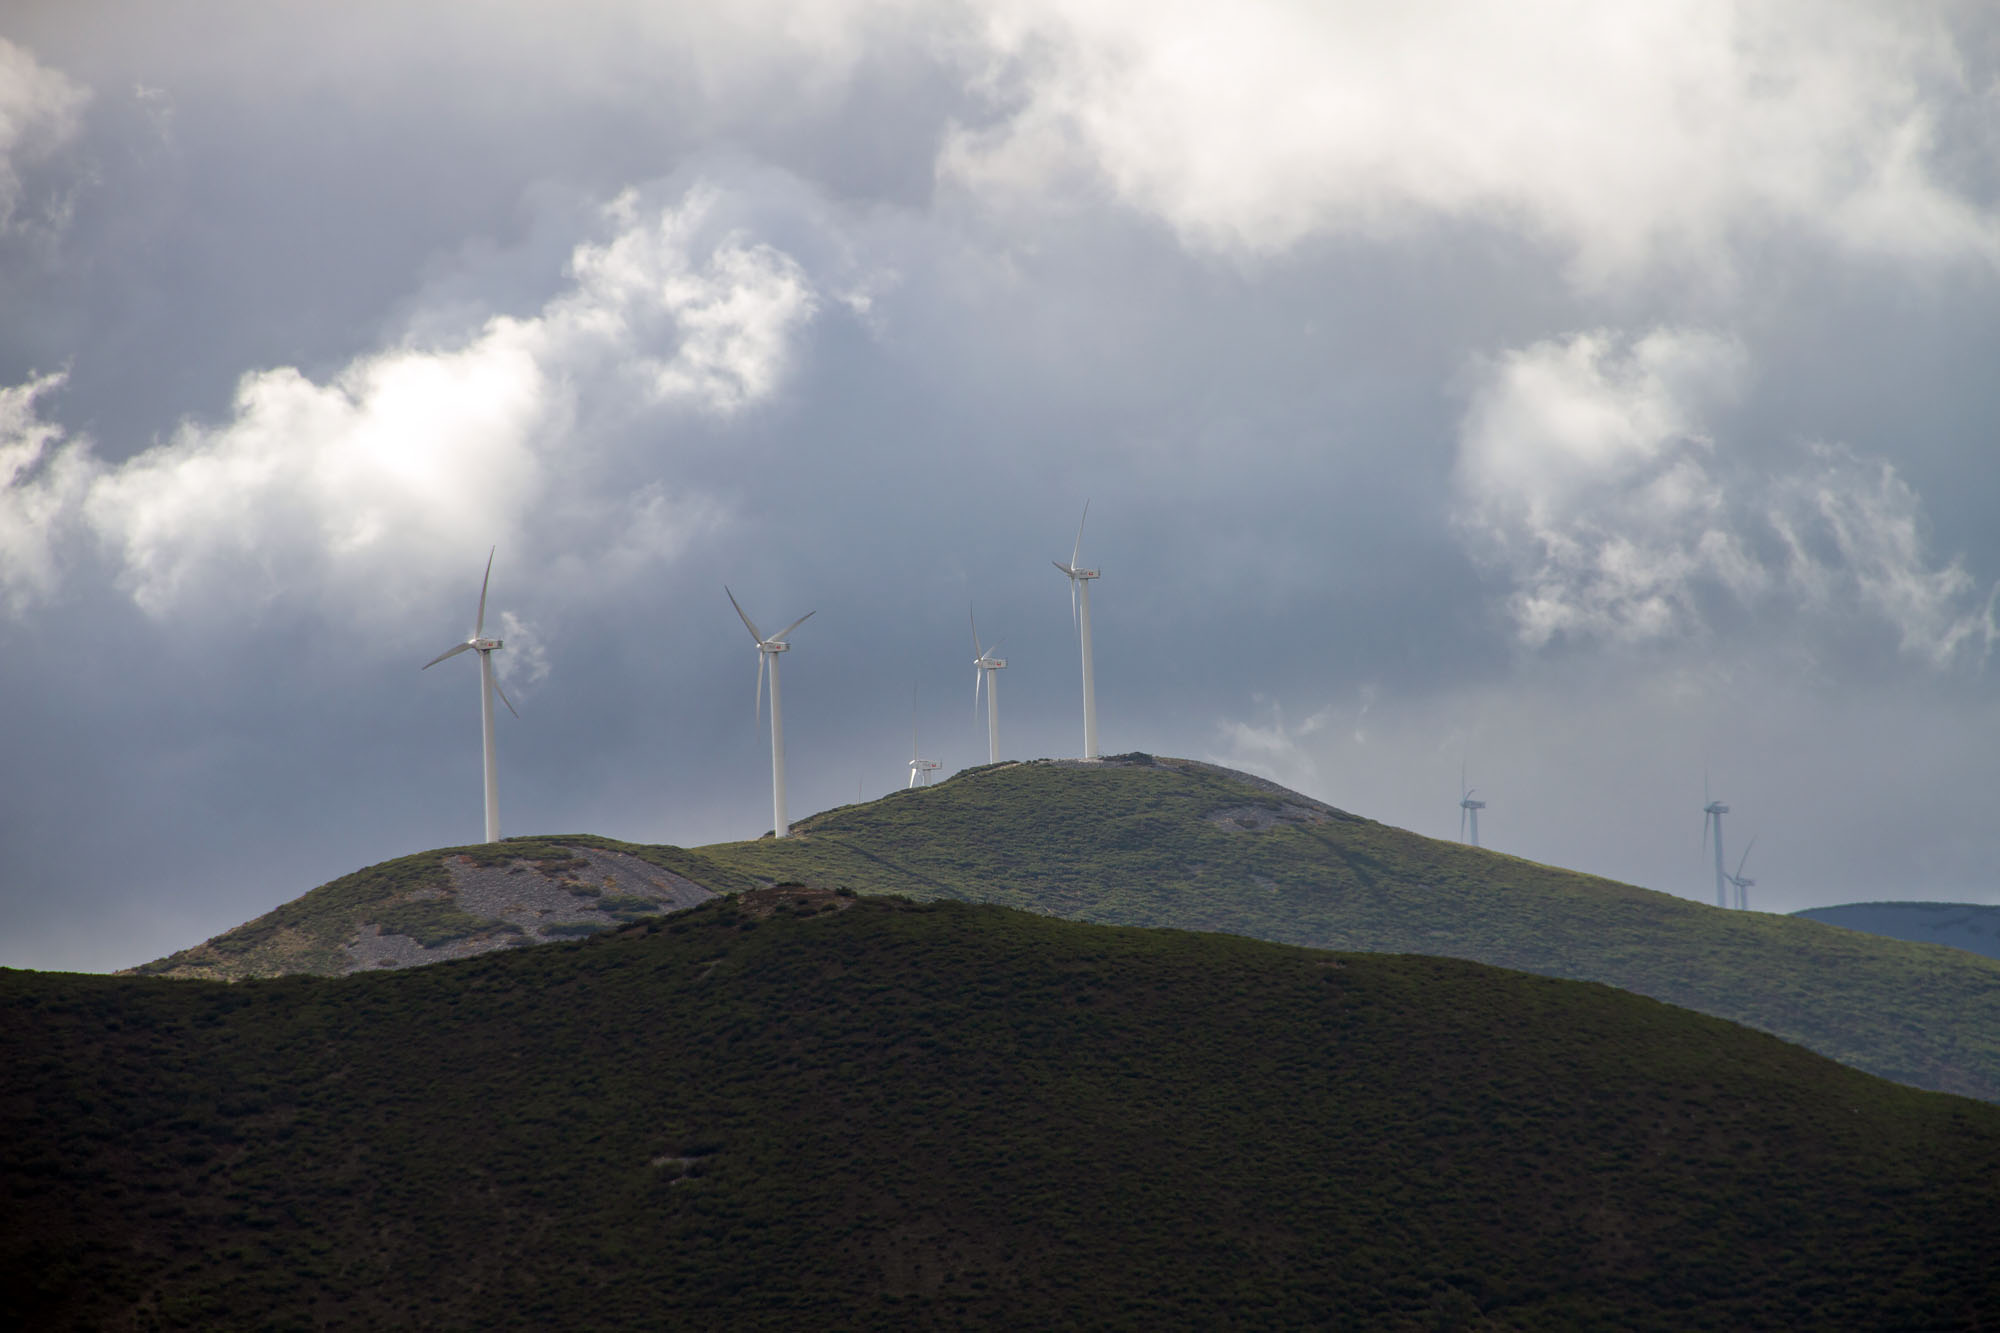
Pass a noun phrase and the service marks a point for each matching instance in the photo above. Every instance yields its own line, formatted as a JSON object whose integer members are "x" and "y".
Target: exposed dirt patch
{"x": 527, "y": 902}
{"x": 1256, "y": 818}
{"x": 797, "y": 899}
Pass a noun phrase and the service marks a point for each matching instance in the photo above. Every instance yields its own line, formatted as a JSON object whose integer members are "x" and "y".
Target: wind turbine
{"x": 1712, "y": 813}
{"x": 1467, "y": 807}
{"x": 767, "y": 655}
{"x": 488, "y": 687}
{"x": 920, "y": 769}
{"x": 983, "y": 667}
{"x": 1743, "y": 885}
{"x": 1079, "y": 608}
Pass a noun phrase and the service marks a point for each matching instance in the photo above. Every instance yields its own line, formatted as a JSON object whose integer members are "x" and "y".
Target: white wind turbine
{"x": 1743, "y": 885}
{"x": 767, "y": 654}
{"x": 1712, "y": 813}
{"x": 488, "y": 687}
{"x": 983, "y": 667}
{"x": 1467, "y": 807}
{"x": 1079, "y": 606}
{"x": 920, "y": 768}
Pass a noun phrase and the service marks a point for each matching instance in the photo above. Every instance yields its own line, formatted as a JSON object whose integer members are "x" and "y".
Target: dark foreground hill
{"x": 795, "y": 1109}
{"x": 1967, "y": 926}
{"x": 1162, "y": 842}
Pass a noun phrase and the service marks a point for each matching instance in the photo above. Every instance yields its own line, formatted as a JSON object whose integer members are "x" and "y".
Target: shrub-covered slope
{"x": 1141, "y": 841}
{"x": 790, "y": 1109}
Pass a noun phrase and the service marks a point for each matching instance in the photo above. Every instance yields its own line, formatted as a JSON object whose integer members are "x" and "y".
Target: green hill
{"x": 1143, "y": 841}
{"x": 797, "y": 1109}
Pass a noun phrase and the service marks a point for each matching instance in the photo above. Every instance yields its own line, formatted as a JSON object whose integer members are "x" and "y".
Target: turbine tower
{"x": 920, "y": 768}
{"x": 1467, "y": 808}
{"x": 1079, "y": 607}
{"x": 767, "y": 655}
{"x": 983, "y": 667}
{"x": 1742, "y": 884}
{"x": 1712, "y": 813}
{"x": 488, "y": 687}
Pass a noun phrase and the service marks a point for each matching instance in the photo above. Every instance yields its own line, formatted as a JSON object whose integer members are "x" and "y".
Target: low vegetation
{"x": 793, "y": 1108}
{"x": 1160, "y": 842}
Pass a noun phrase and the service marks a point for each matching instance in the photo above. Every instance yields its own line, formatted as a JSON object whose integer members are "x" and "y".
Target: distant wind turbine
{"x": 983, "y": 667}
{"x": 488, "y": 687}
{"x": 1079, "y": 607}
{"x": 767, "y": 655}
{"x": 1467, "y": 808}
{"x": 1743, "y": 886}
{"x": 1712, "y": 813}
{"x": 920, "y": 768}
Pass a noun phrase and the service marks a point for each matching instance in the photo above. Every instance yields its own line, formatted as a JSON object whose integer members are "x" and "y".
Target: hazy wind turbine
{"x": 984, "y": 664}
{"x": 920, "y": 768}
{"x": 767, "y": 654}
{"x": 1467, "y": 807}
{"x": 1712, "y": 813}
{"x": 1079, "y": 608}
{"x": 1743, "y": 885}
{"x": 488, "y": 687}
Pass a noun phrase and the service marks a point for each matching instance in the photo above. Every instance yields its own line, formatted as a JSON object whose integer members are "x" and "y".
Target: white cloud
{"x": 524, "y": 662}
{"x": 41, "y": 110}
{"x": 414, "y": 455}
{"x": 1587, "y": 472}
{"x": 1854, "y": 527}
{"x": 41, "y": 482}
{"x": 1627, "y": 133}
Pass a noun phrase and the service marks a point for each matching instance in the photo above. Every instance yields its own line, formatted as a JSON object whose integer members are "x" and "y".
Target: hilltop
{"x": 795, "y": 1108}
{"x": 1139, "y": 840}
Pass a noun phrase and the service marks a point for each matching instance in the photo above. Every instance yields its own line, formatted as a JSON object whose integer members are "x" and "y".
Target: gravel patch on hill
{"x": 528, "y": 903}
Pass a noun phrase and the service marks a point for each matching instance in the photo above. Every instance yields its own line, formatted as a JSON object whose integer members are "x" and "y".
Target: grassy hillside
{"x": 793, "y": 1109}
{"x": 1967, "y": 926}
{"x": 1171, "y": 843}
{"x": 1142, "y": 841}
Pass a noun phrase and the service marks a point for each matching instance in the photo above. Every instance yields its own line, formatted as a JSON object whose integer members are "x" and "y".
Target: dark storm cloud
{"x": 1411, "y": 438}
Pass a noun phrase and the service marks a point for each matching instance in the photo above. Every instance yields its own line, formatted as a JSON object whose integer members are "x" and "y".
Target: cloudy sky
{"x": 1593, "y": 394}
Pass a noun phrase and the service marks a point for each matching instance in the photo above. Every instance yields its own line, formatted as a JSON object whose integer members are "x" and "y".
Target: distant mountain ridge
{"x": 1141, "y": 840}
{"x": 1967, "y": 926}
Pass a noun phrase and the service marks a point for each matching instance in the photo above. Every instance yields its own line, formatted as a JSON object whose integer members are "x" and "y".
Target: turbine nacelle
{"x": 487, "y": 645}
{"x": 1714, "y": 808}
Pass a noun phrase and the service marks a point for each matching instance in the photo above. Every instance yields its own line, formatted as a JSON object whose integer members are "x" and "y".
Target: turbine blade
{"x": 978, "y": 679}
{"x": 747, "y": 622}
{"x": 449, "y": 652}
{"x": 1078, "y": 551}
{"x": 757, "y": 715}
{"x": 1746, "y": 855}
{"x": 977, "y": 651}
{"x": 1461, "y": 823}
{"x": 503, "y": 697}
{"x": 1705, "y": 817}
{"x": 479, "y": 621}
{"x": 779, "y": 637}
{"x": 1060, "y": 565}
